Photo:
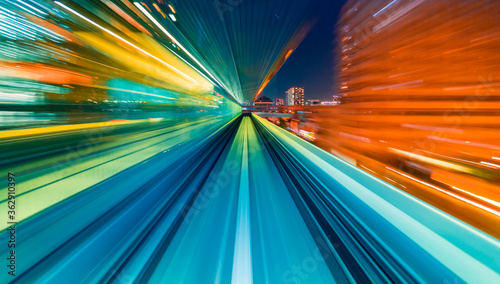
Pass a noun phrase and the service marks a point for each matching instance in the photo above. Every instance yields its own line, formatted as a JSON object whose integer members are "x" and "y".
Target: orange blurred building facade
{"x": 419, "y": 86}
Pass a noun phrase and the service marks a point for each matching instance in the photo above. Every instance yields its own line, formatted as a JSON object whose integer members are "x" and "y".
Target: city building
{"x": 263, "y": 104}
{"x": 280, "y": 102}
{"x": 263, "y": 101}
{"x": 295, "y": 96}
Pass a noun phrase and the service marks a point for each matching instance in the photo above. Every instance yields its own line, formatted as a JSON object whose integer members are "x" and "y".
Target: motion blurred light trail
{"x": 45, "y": 187}
{"x": 418, "y": 94}
{"x": 127, "y": 158}
{"x": 241, "y": 200}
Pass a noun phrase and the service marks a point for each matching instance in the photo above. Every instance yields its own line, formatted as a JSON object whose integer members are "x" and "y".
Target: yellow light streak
{"x": 125, "y": 41}
{"x": 61, "y": 128}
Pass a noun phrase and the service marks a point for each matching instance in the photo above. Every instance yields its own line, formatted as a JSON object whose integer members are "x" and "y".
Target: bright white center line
{"x": 242, "y": 261}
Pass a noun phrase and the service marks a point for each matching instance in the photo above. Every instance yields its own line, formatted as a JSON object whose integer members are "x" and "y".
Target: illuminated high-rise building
{"x": 289, "y": 97}
{"x": 280, "y": 102}
{"x": 295, "y": 96}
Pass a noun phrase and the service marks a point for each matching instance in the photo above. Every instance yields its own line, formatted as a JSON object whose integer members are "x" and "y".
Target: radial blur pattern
{"x": 136, "y": 147}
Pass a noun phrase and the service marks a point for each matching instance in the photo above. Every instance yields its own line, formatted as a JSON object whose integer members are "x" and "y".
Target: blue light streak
{"x": 384, "y": 8}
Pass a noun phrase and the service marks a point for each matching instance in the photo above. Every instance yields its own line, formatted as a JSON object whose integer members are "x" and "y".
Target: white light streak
{"x": 491, "y": 164}
{"x": 145, "y": 12}
{"x": 41, "y": 12}
{"x": 448, "y": 193}
{"x": 124, "y": 40}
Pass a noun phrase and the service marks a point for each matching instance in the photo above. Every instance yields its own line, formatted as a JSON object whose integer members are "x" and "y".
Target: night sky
{"x": 312, "y": 65}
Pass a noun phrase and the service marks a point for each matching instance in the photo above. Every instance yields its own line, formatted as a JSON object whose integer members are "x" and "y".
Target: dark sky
{"x": 312, "y": 65}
